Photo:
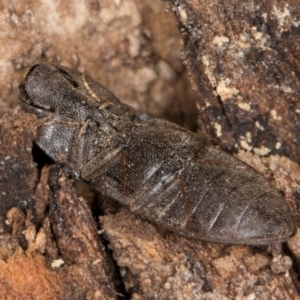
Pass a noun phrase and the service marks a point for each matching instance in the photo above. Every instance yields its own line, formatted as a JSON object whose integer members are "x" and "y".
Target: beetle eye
{"x": 68, "y": 77}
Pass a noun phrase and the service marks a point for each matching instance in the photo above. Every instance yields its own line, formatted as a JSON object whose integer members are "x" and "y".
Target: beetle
{"x": 165, "y": 173}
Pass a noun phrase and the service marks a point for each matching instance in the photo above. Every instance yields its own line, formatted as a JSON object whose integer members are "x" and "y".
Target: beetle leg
{"x": 78, "y": 155}
{"x": 97, "y": 166}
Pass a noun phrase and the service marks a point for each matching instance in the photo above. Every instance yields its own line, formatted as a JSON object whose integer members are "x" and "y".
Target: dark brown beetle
{"x": 164, "y": 172}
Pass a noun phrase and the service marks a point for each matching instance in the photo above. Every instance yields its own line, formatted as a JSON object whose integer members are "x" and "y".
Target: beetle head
{"x": 49, "y": 89}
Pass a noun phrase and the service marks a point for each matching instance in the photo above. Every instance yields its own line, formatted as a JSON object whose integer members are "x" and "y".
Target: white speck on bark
{"x": 218, "y": 129}
{"x": 224, "y": 91}
{"x": 262, "y": 151}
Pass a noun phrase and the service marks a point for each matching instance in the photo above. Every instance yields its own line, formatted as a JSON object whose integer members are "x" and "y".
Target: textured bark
{"x": 49, "y": 246}
{"x": 243, "y": 59}
{"x": 122, "y": 44}
{"x": 171, "y": 267}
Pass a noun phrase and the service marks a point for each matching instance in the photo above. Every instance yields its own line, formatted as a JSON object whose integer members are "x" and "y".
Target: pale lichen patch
{"x": 248, "y": 137}
{"x": 262, "y": 151}
{"x": 57, "y": 263}
{"x": 244, "y": 106}
{"x": 243, "y": 42}
{"x": 207, "y": 71}
{"x": 265, "y": 16}
{"x": 281, "y": 15}
{"x": 274, "y": 115}
{"x": 296, "y": 23}
{"x": 218, "y": 129}
{"x": 220, "y": 40}
{"x": 278, "y": 145}
{"x": 286, "y": 89}
{"x": 224, "y": 91}
{"x": 259, "y": 126}
{"x": 245, "y": 145}
{"x": 245, "y": 141}
{"x": 260, "y": 38}
{"x": 256, "y": 34}
{"x": 183, "y": 14}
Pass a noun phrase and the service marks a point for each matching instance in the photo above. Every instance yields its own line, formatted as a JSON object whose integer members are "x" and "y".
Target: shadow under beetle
{"x": 163, "y": 172}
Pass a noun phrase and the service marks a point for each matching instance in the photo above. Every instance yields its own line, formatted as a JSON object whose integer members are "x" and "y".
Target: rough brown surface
{"x": 243, "y": 59}
{"x": 49, "y": 246}
{"x": 122, "y": 44}
{"x": 16, "y": 162}
{"x": 171, "y": 267}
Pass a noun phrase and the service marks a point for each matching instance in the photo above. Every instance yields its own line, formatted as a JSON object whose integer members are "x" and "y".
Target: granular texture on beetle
{"x": 163, "y": 172}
